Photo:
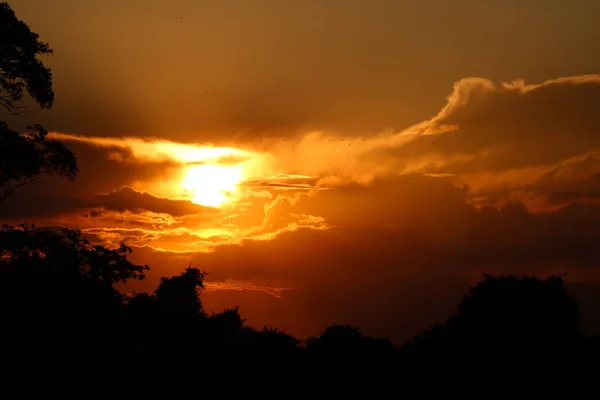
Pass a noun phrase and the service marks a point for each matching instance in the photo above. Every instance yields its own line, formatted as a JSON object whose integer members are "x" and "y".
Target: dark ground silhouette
{"x": 57, "y": 302}
{"x": 61, "y": 316}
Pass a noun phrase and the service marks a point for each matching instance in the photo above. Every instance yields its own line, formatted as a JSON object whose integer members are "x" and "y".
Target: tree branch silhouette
{"x": 25, "y": 156}
{"x": 20, "y": 68}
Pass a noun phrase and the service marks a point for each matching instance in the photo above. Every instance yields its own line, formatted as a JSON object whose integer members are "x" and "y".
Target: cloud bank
{"x": 504, "y": 178}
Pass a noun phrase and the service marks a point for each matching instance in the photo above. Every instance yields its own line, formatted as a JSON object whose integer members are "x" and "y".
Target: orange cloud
{"x": 508, "y": 142}
{"x": 244, "y": 286}
{"x": 483, "y": 123}
{"x": 158, "y": 150}
{"x": 503, "y": 178}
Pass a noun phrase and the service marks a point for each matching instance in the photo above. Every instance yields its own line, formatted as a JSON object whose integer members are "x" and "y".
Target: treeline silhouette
{"x": 61, "y": 316}
{"x": 58, "y": 302}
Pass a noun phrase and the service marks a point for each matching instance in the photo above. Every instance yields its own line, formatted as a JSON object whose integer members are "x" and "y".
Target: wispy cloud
{"x": 157, "y": 150}
{"x": 507, "y": 141}
{"x": 239, "y": 286}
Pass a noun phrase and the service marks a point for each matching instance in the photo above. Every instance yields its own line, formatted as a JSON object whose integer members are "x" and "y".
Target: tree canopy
{"x": 20, "y": 68}
{"x": 26, "y": 156}
{"x": 65, "y": 251}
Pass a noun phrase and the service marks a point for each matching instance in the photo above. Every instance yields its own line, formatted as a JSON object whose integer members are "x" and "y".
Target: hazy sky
{"x": 356, "y": 162}
{"x": 279, "y": 66}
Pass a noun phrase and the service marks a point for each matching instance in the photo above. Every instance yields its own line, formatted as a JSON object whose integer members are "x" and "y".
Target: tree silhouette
{"x": 519, "y": 310}
{"x": 506, "y": 324}
{"x": 66, "y": 252}
{"x": 340, "y": 342}
{"x": 20, "y": 69}
{"x": 272, "y": 341}
{"x": 56, "y": 294}
{"x": 179, "y": 295}
{"x": 228, "y": 320}
{"x": 25, "y": 156}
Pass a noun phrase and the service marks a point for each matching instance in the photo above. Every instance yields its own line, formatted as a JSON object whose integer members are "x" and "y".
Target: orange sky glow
{"x": 343, "y": 165}
{"x": 200, "y": 198}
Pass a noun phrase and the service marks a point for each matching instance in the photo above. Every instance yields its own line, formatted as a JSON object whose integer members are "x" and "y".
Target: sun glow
{"x": 211, "y": 185}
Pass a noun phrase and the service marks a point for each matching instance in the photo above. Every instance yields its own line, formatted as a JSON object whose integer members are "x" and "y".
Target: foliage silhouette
{"x": 56, "y": 293}
{"x": 507, "y": 325}
{"x": 20, "y": 69}
{"x": 339, "y": 341}
{"x": 65, "y": 251}
{"x": 57, "y": 306}
{"x": 180, "y": 294}
{"x": 25, "y": 156}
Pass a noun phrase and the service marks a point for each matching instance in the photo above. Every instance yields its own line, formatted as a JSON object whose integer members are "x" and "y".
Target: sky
{"x": 328, "y": 161}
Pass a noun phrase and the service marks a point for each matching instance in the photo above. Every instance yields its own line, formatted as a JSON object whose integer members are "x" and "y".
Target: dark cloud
{"x": 25, "y": 207}
{"x": 88, "y": 116}
{"x": 400, "y": 250}
{"x": 407, "y": 222}
{"x": 515, "y": 126}
{"x": 128, "y": 199}
{"x": 121, "y": 200}
{"x": 341, "y": 64}
{"x": 100, "y": 171}
{"x": 411, "y": 248}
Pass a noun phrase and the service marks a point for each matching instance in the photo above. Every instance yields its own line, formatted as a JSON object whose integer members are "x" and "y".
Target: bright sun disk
{"x": 211, "y": 185}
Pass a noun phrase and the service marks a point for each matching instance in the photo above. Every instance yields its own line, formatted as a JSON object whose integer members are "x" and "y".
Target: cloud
{"x": 128, "y": 199}
{"x": 504, "y": 178}
{"x": 398, "y": 266}
{"x": 487, "y": 134}
{"x": 157, "y": 150}
{"x": 244, "y": 286}
{"x": 533, "y": 144}
{"x": 394, "y": 259}
{"x": 121, "y": 200}
{"x": 500, "y": 139}
{"x": 512, "y": 121}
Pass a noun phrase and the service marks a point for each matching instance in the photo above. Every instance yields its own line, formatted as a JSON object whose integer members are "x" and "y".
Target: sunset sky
{"x": 349, "y": 161}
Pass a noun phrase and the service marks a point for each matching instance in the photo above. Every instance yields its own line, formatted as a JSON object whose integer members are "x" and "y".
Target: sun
{"x": 211, "y": 185}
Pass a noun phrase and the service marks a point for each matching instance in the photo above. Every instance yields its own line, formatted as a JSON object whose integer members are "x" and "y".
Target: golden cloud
{"x": 506, "y": 141}
{"x": 503, "y": 178}
{"x": 239, "y": 286}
